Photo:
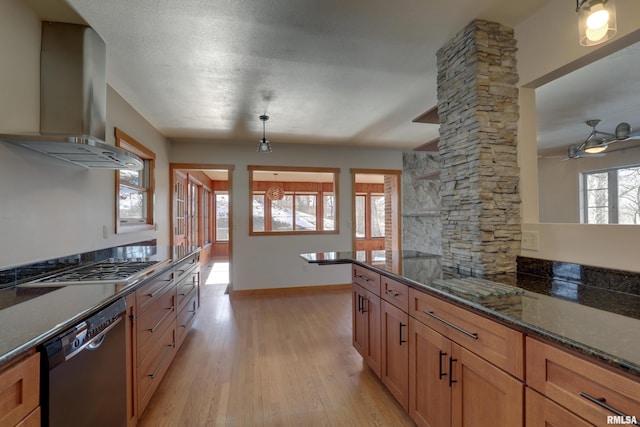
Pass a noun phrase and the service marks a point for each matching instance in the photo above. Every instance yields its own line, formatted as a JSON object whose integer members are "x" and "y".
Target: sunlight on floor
{"x": 219, "y": 274}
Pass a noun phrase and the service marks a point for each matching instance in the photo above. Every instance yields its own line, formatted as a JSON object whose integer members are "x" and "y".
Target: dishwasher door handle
{"x": 96, "y": 341}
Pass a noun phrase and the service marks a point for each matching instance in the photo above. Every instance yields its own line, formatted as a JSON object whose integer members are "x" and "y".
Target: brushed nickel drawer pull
{"x": 446, "y": 322}
{"x": 366, "y": 279}
{"x": 170, "y": 310}
{"x": 190, "y": 287}
{"x": 157, "y": 291}
{"x": 601, "y": 401}
{"x": 392, "y": 293}
{"x": 155, "y": 371}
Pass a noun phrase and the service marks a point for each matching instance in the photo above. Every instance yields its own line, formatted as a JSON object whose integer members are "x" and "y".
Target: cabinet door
{"x": 429, "y": 389}
{"x": 483, "y": 395}
{"x": 131, "y": 346}
{"x": 542, "y": 412}
{"x": 395, "y": 352}
{"x": 358, "y": 332}
{"x": 373, "y": 344}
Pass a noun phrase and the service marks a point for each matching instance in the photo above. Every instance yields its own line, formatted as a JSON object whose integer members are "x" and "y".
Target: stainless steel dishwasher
{"x": 84, "y": 373}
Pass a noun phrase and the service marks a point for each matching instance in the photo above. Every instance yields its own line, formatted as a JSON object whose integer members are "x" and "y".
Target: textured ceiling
{"x": 608, "y": 89}
{"x": 334, "y": 72}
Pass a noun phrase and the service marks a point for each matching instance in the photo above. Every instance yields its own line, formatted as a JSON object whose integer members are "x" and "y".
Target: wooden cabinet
{"x": 543, "y": 412}
{"x": 395, "y": 352}
{"x": 481, "y": 394}
{"x": 188, "y": 302}
{"x": 429, "y": 388}
{"x": 20, "y": 392}
{"x": 131, "y": 365}
{"x": 165, "y": 309}
{"x": 395, "y": 292}
{"x": 499, "y": 344}
{"x": 367, "y": 279}
{"x": 451, "y": 386}
{"x": 583, "y": 387}
{"x": 366, "y": 326}
{"x": 155, "y": 338}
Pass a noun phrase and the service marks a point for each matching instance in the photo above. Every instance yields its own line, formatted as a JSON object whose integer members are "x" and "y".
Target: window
{"x": 134, "y": 189}
{"x": 222, "y": 216}
{"x": 370, "y": 216}
{"x": 293, "y": 200}
{"x": 611, "y": 196}
{"x": 206, "y": 218}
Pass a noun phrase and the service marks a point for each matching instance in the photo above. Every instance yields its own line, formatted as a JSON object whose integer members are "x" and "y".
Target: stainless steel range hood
{"x": 73, "y": 99}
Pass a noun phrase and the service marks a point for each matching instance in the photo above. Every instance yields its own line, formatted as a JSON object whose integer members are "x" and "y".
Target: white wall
{"x": 273, "y": 261}
{"x": 548, "y": 42}
{"x": 50, "y": 208}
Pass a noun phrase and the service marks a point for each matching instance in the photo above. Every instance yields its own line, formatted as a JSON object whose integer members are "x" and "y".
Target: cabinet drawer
{"x": 499, "y": 344}
{"x": 185, "y": 318}
{"x": 185, "y": 267}
{"x": 146, "y": 295}
{"x": 571, "y": 381}
{"x": 34, "y": 419}
{"x": 154, "y": 366}
{"x": 19, "y": 390}
{"x": 395, "y": 292}
{"x": 367, "y": 279}
{"x": 186, "y": 288}
{"x": 542, "y": 412}
{"x": 153, "y": 322}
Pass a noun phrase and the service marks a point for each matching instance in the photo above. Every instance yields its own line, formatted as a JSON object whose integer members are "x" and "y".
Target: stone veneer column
{"x": 478, "y": 111}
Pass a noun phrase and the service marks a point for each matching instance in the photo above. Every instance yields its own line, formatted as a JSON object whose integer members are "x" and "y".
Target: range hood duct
{"x": 73, "y": 99}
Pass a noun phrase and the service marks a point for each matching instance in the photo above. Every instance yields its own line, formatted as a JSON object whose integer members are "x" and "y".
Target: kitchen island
{"x": 569, "y": 351}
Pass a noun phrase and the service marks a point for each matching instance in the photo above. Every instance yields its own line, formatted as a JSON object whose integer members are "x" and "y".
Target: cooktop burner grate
{"x": 101, "y": 272}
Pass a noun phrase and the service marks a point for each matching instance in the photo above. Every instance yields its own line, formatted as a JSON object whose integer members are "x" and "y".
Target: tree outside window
{"x": 293, "y": 200}
{"x": 612, "y": 196}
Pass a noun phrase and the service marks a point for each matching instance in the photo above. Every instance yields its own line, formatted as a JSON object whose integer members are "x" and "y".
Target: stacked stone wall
{"x": 478, "y": 111}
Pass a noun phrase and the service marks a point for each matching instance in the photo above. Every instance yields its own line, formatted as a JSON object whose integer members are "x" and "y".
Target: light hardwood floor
{"x": 283, "y": 360}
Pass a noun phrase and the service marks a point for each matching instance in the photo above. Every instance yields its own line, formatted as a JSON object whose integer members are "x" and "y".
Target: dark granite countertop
{"x": 600, "y": 322}
{"x": 31, "y": 315}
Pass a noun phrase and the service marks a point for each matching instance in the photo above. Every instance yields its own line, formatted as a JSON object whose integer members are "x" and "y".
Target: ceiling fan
{"x": 598, "y": 141}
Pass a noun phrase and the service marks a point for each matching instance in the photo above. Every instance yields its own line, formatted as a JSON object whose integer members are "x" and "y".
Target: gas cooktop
{"x": 103, "y": 272}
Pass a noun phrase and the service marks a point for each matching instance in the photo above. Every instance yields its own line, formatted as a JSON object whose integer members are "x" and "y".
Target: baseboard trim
{"x": 292, "y": 290}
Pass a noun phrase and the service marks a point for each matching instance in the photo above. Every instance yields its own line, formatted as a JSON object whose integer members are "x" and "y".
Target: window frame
{"x": 368, "y": 214}
{"x": 319, "y": 201}
{"x": 613, "y": 193}
{"x": 216, "y": 238}
{"x": 128, "y": 143}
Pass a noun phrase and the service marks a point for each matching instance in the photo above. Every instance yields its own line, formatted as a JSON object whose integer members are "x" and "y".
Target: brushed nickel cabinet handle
{"x": 601, "y": 401}
{"x": 170, "y": 310}
{"x": 392, "y": 293}
{"x": 164, "y": 357}
{"x": 446, "y": 322}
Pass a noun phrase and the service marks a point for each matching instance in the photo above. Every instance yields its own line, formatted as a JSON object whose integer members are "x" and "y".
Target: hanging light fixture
{"x": 275, "y": 191}
{"x": 263, "y": 145}
{"x": 596, "y": 21}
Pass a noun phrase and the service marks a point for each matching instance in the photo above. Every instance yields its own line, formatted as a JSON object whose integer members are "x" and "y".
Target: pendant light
{"x": 275, "y": 191}
{"x": 263, "y": 145}
{"x": 596, "y": 21}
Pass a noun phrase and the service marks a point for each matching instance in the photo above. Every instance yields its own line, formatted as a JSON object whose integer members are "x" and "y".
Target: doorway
{"x": 201, "y": 215}
{"x": 376, "y": 211}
